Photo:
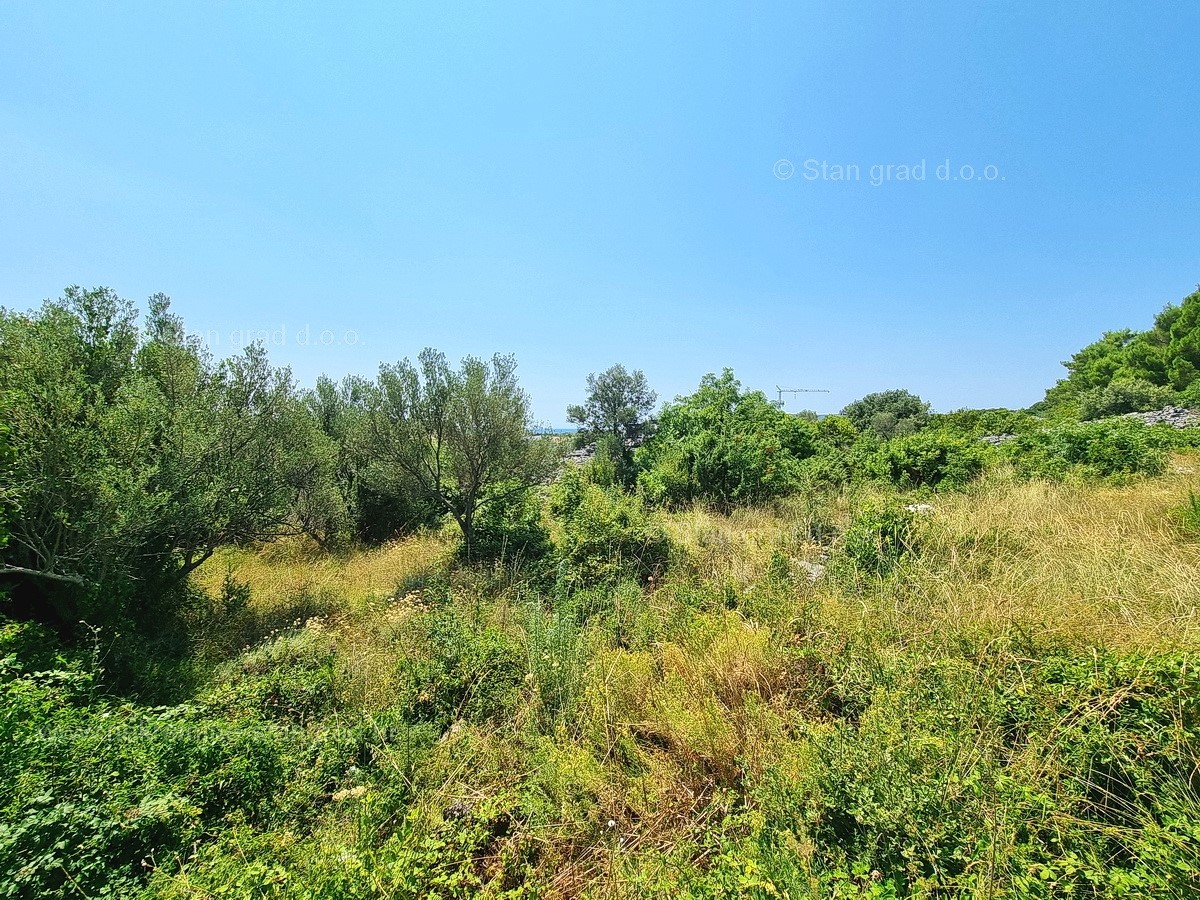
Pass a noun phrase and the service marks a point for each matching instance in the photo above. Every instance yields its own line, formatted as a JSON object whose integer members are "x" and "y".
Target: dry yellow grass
{"x": 1087, "y": 564}
{"x": 732, "y": 548}
{"x": 281, "y": 572}
{"x": 1083, "y": 563}
{"x": 355, "y": 601}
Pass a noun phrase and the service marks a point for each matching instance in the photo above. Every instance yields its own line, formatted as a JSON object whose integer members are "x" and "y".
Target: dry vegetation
{"x": 709, "y": 733}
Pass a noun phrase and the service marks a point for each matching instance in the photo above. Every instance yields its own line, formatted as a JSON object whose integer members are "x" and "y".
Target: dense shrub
{"x": 1123, "y": 395}
{"x": 724, "y": 446}
{"x": 290, "y": 678}
{"x": 1187, "y": 517}
{"x": 834, "y": 466}
{"x": 605, "y": 534}
{"x": 878, "y": 537}
{"x": 930, "y": 459}
{"x": 92, "y": 795}
{"x": 1112, "y": 447}
{"x": 511, "y": 530}
{"x": 889, "y": 414}
{"x": 453, "y": 670}
{"x": 980, "y": 422}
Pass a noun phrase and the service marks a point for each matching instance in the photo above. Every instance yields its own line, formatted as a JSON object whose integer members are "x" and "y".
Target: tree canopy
{"x": 724, "y": 445}
{"x": 462, "y": 435}
{"x": 134, "y": 456}
{"x": 889, "y": 414}
{"x": 618, "y": 402}
{"x": 1120, "y": 371}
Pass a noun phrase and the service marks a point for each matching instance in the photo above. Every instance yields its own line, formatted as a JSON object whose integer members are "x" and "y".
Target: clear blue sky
{"x": 601, "y": 184}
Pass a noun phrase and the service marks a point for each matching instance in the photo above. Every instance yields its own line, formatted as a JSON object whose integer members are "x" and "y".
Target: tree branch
{"x": 21, "y": 570}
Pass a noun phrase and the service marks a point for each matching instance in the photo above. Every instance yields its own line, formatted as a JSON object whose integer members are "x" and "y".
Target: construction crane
{"x": 779, "y": 392}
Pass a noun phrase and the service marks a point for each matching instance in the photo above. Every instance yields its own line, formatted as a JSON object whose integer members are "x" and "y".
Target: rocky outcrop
{"x": 1175, "y": 416}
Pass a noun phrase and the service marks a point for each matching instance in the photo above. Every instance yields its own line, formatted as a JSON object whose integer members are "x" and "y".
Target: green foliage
{"x": 877, "y": 539}
{"x": 933, "y": 459}
{"x": 92, "y": 795}
{"x": 511, "y": 529}
{"x": 889, "y": 414}
{"x": 134, "y": 457}
{"x": 290, "y": 678}
{"x": 1123, "y": 395}
{"x": 1104, "y": 449}
{"x": 376, "y": 502}
{"x": 458, "y": 434}
{"x": 605, "y": 534}
{"x": 456, "y": 671}
{"x": 1123, "y": 367}
{"x": 724, "y": 446}
{"x": 837, "y": 432}
{"x": 616, "y": 416}
{"x": 979, "y": 422}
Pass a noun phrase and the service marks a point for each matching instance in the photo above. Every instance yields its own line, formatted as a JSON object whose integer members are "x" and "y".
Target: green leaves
{"x": 888, "y": 413}
{"x": 460, "y": 435}
{"x": 134, "y": 456}
{"x": 723, "y": 446}
{"x": 1122, "y": 370}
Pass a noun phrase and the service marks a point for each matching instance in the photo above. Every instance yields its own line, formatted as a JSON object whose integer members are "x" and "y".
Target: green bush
{"x": 889, "y": 414}
{"x": 289, "y": 679}
{"x": 930, "y": 459}
{"x": 876, "y": 540}
{"x": 723, "y": 446}
{"x": 605, "y": 534}
{"x": 979, "y": 422}
{"x": 92, "y": 795}
{"x": 1104, "y": 449}
{"x": 453, "y": 670}
{"x": 1123, "y": 395}
{"x": 510, "y": 529}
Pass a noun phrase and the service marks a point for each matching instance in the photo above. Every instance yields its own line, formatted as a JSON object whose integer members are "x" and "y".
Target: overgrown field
{"x": 845, "y": 693}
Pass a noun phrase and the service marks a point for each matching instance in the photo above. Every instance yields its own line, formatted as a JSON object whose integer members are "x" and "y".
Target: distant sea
{"x": 553, "y": 430}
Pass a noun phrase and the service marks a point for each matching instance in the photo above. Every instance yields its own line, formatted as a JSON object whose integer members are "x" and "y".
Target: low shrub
{"x": 605, "y": 535}
{"x": 454, "y": 670}
{"x": 1104, "y": 449}
{"x": 878, "y": 537}
{"x": 1123, "y": 395}
{"x": 511, "y": 529}
{"x": 979, "y": 422}
{"x": 289, "y": 679}
{"x": 90, "y": 796}
{"x": 930, "y": 459}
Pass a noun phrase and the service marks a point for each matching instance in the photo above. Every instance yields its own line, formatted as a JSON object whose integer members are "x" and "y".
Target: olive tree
{"x": 616, "y": 417}
{"x": 134, "y": 456}
{"x": 462, "y": 435}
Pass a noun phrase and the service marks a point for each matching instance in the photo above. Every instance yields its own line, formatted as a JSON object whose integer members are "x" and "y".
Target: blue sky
{"x": 598, "y": 184}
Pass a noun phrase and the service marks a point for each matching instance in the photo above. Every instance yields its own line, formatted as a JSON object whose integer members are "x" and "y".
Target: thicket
{"x": 741, "y": 652}
{"x": 1131, "y": 371}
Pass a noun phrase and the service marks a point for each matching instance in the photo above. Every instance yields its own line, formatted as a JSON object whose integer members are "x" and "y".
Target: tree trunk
{"x": 467, "y": 524}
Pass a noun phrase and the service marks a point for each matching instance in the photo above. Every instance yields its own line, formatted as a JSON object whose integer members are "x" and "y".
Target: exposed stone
{"x": 811, "y": 569}
{"x": 1175, "y": 416}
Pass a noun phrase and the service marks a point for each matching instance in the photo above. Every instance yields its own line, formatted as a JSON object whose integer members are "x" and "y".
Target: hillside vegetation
{"x": 375, "y": 640}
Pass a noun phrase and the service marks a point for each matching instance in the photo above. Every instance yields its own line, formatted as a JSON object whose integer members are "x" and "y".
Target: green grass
{"x": 1007, "y": 706}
